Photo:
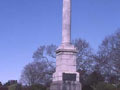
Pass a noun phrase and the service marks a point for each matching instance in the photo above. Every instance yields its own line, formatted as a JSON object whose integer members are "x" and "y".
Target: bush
{"x": 105, "y": 86}
{"x": 37, "y": 87}
{"x": 15, "y": 87}
{"x": 18, "y": 87}
{"x": 118, "y": 87}
{"x": 12, "y": 87}
{"x": 87, "y": 87}
{"x": 3, "y": 88}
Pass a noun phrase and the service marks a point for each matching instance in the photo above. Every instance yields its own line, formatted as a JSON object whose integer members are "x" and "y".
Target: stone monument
{"x": 66, "y": 77}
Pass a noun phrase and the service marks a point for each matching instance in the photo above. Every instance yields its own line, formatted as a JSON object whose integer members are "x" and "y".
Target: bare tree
{"x": 108, "y": 58}
{"x": 36, "y": 73}
{"x": 41, "y": 69}
{"x": 84, "y": 59}
{"x": 84, "y": 55}
{"x": 46, "y": 53}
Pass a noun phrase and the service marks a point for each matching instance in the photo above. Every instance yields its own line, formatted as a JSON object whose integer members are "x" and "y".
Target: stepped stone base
{"x": 66, "y": 85}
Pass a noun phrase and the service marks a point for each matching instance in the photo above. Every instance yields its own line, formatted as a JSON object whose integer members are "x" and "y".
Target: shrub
{"x": 118, "y": 87}
{"x": 87, "y": 87}
{"x": 38, "y": 87}
{"x": 105, "y": 86}
{"x": 12, "y": 87}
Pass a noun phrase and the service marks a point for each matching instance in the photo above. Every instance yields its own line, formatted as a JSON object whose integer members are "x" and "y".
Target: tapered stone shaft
{"x": 66, "y": 24}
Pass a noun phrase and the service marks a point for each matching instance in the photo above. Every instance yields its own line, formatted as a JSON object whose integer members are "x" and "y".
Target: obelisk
{"x": 66, "y": 22}
{"x": 65, "y": 76}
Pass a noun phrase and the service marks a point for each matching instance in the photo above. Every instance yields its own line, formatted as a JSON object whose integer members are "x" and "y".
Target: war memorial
{"x": 65, "y": 76}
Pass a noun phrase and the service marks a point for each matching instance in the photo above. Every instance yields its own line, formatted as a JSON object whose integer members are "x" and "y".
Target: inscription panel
{"x": 69, "y": 77}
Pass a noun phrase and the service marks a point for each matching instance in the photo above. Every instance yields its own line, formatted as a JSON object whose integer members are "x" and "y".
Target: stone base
{"x": 67, "y": 85}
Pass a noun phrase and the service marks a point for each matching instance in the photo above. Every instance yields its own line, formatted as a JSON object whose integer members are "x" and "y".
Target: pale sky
{"x": 27, "y": 24}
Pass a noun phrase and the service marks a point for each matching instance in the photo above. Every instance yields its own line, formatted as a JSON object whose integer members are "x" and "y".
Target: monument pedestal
{"x": 66, "y": 77}
{"x": 65, "y": 85}
{"x": 65, "y": 62}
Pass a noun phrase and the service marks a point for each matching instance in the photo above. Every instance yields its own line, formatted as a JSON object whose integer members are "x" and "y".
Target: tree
{"x": 41, "y": 69}
{"x": 108, "y": 57}
{"x": 0, "y": 84}
{"x": 7, "y": 84}
{"x": 10, "y": 82}
{"x": 84, "y": 55}
{"x": 36, "y": 73}
{"x": 84, "y": 59}
{"x": 46, "y": 53}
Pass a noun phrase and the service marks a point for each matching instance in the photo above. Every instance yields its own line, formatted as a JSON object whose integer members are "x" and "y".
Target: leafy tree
{"x": 7, "y": 84}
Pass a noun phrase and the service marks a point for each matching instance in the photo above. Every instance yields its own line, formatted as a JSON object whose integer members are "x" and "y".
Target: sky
{"x": 27, "y": 24}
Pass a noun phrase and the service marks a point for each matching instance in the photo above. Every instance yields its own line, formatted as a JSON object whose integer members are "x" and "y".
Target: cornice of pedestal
{"x": 66, "y": 48}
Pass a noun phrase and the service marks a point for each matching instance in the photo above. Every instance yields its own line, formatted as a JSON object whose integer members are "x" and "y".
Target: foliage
{"x": 7, "y": 84}
{"x": 87, "y": 87}
{"x": 37, "y": 87}
{"x": 3, "y": 88}
{"x": 10, "y": 82}
{"x": 105, "y": 86}
{"x": 18, "y": 87}
{"x": 118, "y": 87}
{"x": 0, "y": 84}
{"x": 34, "y": 87}
{"x": 94, "y": 78}
{"x": 12, "y": 87}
